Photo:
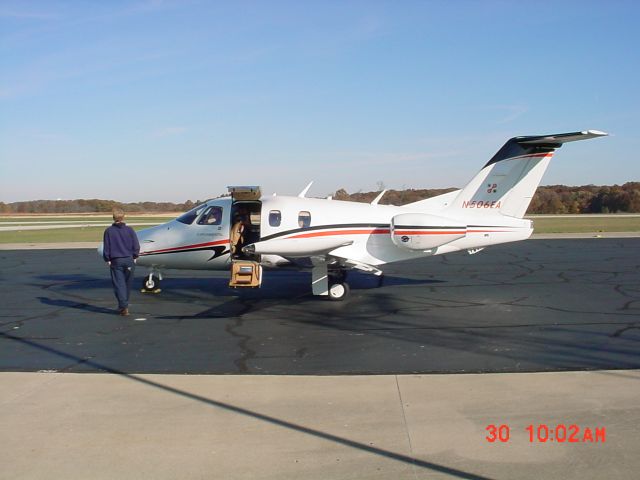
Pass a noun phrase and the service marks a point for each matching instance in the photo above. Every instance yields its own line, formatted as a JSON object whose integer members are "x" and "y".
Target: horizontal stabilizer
{"x": 559, "y": 138}
{"x": 539, "y": 144}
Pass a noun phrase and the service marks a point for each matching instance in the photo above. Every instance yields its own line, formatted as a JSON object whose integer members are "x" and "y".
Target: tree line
{"x": 92, "y": 206}
{"x": 553, "y": 199}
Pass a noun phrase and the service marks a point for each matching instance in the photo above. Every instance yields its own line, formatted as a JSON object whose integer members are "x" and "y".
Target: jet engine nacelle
{"x": 419, "y": 231}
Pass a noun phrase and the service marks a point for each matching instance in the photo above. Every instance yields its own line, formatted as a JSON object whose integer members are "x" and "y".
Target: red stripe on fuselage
{"x": 197, "y": 245}
{"x": 385, "y": 231}
{"x": 374, "y": 231}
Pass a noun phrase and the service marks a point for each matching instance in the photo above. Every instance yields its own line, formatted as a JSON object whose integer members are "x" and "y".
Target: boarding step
{"x": 245, "y": 274}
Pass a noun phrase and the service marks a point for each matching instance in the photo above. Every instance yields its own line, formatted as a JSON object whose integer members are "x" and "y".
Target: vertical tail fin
{"x": 508, "y": 181}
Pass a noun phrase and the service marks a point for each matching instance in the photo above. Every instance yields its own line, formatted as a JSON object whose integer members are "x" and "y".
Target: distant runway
{"x": 21, "y": 226}
{"x": 538, "y": 305}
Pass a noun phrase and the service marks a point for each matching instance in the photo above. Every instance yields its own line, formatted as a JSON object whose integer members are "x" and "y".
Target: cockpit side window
{"x": 191, "y": 215}
{"x": 211, "y": 216}
{"x": 275, "y": 217}
{"x": 304, "y": 219}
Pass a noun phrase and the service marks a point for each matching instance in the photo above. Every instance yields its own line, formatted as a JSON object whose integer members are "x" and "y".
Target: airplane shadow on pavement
{"x": 288, "y": 289}
{"x": 79, "y": 305}
{"x": 217, "y": 404}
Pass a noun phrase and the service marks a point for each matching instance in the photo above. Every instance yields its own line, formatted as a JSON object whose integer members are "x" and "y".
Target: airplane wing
{"x": 310, "y": 252}
{"x": 364, "y": 267}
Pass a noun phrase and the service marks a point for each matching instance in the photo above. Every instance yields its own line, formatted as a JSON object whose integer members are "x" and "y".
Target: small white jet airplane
{"x": 244, "y": 232}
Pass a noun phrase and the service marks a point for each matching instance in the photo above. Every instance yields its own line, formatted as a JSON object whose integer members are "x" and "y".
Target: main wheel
{"x": 338, "y": 291}
{"x": 151, "y": 284}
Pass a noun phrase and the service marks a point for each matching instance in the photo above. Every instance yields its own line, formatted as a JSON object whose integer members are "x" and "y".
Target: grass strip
{"x": 56, "y": 235}
{"x": 586, "y": 224}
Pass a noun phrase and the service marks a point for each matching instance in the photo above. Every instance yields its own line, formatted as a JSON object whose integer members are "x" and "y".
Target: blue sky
{"x": 174, "y": 100}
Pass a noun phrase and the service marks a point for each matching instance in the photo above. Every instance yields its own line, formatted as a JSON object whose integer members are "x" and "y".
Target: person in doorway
{"x": 237, "y": 237}
{"x": 120, "y": 250}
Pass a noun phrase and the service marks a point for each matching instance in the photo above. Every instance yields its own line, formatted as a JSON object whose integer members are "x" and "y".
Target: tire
{"x": 338, "y": 291}
{"x": 150, "y": 284}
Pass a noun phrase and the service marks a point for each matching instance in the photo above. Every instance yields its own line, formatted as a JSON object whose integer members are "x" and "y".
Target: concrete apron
{"x": 99, "y": 426}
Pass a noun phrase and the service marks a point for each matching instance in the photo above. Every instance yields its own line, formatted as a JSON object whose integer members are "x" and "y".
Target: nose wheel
{"x": 151, "y": 284}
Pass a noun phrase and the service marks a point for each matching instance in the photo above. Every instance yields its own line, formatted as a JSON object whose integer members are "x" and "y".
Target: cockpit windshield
{"x": 191, "y": 215}
{"x": 211, "y": 216}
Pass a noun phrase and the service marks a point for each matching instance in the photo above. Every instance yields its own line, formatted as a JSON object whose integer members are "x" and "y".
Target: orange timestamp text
{"x": 542, "y": 433}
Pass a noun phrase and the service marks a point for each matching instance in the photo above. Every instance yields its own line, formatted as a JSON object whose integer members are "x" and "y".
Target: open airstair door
{"x": 246, "y": 207}
{"x": 245, "y": 274}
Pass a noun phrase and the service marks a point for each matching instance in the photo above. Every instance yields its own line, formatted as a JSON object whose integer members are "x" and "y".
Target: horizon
{"x": 151, "y": 100}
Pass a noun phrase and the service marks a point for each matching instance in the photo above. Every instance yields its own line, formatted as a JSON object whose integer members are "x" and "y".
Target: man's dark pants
{"x": 121, "y": 277}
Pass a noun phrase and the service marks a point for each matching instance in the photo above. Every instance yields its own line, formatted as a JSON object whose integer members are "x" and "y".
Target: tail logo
{"x": 492, "y": 188}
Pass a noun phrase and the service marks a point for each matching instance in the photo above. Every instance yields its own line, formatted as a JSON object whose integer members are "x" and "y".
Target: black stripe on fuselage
{"x": 491, "y": 226}
{"x": 429, "y": 227}
{"x": 217, "y": 251}
{"x": 366, "y": 225}
{"x": 325, "y": 227}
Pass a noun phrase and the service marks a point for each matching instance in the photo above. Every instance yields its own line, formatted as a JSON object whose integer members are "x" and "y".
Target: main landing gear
{"x": 329, "y": 282}
{"x": 151, "y": 283}
{"x": 338, "y": 291}
{"x": 338, "y": 287}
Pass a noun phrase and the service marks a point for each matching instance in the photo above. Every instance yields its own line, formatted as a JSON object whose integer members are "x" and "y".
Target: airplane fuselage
{"x": 294, "y": 224}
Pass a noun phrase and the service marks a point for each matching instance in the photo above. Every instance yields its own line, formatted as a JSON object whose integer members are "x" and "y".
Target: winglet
{"x": 306, "y": 189}
{"x": 379, "y": 197}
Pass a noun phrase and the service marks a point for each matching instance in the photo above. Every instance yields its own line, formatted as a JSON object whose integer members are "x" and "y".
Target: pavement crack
{"x": 620, "y": 331}
{"x": 246, "y": 353}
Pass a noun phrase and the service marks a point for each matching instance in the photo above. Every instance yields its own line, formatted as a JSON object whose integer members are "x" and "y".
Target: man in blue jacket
{"x": 121, "y": 249}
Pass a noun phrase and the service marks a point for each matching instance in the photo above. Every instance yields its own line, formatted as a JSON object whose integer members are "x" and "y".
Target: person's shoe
{"x": 123, "y": 311}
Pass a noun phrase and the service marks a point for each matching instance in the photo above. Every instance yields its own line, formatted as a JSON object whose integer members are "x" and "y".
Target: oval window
{"x": 304, "y": 219}
{"x": 275, "y": 218}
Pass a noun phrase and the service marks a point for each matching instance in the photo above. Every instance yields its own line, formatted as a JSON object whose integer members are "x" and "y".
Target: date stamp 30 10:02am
{"x": 542, "y": 433}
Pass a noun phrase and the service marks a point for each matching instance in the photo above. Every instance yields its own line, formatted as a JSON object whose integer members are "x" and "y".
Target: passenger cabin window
{"x": 304, "y": 219}
{"x": 275, "y": 217}
{"x": 211, "y": 216}
{"x": 191, "y": 215}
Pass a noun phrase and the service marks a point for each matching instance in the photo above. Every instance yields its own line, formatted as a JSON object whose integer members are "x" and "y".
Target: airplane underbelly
{"x": 194, "y": 260}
